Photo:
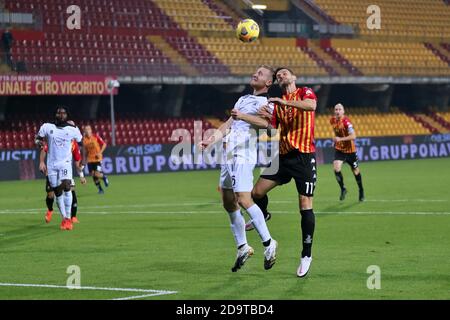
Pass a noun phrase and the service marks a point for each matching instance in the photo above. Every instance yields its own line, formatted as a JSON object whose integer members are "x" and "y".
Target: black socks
{"x": 339, "y": 179}
{"x": 73, "y": 212}
{"x": 358, "y": 179}
{"x": 49, "y": 202}
{"x": 308, "y": 224}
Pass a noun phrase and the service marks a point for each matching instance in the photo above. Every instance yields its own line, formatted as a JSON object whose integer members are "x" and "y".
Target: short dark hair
{"x": 281, "y": 68}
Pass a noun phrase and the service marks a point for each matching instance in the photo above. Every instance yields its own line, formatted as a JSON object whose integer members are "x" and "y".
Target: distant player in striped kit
{"x": 345, "y": 149}
{"x": 93, "y": 148}
{"x": 294, "y": 117}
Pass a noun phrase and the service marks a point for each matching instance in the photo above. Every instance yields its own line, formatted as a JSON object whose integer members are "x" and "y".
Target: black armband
{"x": 39, "y": 142}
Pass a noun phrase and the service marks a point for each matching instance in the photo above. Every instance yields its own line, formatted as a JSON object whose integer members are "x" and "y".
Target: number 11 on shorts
{"x": 309, "y": 187}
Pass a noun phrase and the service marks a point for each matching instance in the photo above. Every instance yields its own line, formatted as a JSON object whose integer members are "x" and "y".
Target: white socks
{"x": 61, "y": 205}
{"x": 238, "y": 227}
{"x": 259, "y": 223}
{"x": 68, "y": 203}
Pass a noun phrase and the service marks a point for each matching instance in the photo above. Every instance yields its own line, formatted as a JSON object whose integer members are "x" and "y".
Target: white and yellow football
{"x": 247, "y": 30}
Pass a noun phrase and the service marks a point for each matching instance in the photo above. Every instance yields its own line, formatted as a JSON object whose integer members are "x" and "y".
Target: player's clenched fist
{"x": 265, "y": 111}
{"x": 236, "y": 114}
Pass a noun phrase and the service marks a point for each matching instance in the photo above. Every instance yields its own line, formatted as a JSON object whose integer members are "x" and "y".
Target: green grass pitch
{"x": 168, "y": 232}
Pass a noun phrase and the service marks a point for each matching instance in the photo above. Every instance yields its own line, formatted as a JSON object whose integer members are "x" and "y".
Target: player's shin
{"x": 259, "y": 222}
{"x": 68, "y": 203}
{"x": 97, "y": 184}
{"x": 358, "y": 179}
{"x": 308, "y": 224}
{"x": 49, "y": 202}
{"x": 74, "y": 209}
{"x": 238, "y": 228}
{"x": 263, "y": 203}
{"x": 61, "y": 205}
{"x": 339, "y": 179}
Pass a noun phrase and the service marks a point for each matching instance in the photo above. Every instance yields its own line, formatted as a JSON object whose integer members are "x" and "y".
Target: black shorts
{"x": 95, "y": 166}
{"x": 300, "y": 166}
{"x": 48, "y": 187}
{"x": 350, "y": 158}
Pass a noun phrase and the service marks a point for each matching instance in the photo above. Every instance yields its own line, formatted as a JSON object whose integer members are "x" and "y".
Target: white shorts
{"x": 57, "y": 174}
{"x": 238, "y": 177}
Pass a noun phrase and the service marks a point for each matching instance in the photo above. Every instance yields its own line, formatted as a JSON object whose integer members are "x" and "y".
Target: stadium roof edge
{"x": 204, "y": 80}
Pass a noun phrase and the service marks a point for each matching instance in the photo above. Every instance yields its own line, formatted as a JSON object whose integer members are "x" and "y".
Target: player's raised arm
{"x": 306, "y": 104}
{"x": 308, "y": 101}
{"x": 258, "y": 121}
{"x": 218, "y": 134}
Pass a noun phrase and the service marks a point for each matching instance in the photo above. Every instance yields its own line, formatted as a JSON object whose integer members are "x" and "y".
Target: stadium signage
{"x": 18, "y": 155}
{"x": 23, "y": 164}
{"x": 37, "y": 85}
{"x": 440, "y": 137}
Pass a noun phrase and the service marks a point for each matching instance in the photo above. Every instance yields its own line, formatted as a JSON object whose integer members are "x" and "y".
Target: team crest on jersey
{"x": 51, "y": 131}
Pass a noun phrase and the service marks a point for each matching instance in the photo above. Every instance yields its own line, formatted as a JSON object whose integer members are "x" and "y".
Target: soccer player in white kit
{"x": 59, "y": 136}
{"x": 236, "y": 177}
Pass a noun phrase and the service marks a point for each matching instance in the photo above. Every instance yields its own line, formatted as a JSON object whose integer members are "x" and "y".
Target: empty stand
{"x": 19, "y": 131}
{"x": 368, "y": 122}
{"x": 418, "y": 18}
{"x": 196, "y": 37}
{"x": 97, "y": 54}
{"x": 243, "y": 59}
{"x": 195, "y": 15}
{"x": 391, "y": 58}
{"x": 114, "y": 38}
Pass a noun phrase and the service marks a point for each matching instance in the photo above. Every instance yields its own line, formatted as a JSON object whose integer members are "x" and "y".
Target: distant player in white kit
{"x": 59, "y": 136}
{"x": 236, "y": 177}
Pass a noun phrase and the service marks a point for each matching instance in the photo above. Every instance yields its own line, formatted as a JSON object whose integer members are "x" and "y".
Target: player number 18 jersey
{"x": 59, "y": 140}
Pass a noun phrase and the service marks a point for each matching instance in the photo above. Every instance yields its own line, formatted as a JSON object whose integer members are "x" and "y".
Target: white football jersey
{"x": 241, "y": 140}
{"x": 59, "y": 140}
{"x": 248, "y": 104}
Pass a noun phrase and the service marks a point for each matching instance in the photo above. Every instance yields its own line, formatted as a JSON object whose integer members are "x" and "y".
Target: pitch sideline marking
{"x": 278, "y": 212}
{"x": 151, "y": 292}
{"x": 165, "y": 204}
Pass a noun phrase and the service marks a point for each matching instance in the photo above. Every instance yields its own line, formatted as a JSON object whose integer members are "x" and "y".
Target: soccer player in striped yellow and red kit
{"x": 293, "y": 115}
{"x": 93, "y": 148}
{"x": 345, "y": 149}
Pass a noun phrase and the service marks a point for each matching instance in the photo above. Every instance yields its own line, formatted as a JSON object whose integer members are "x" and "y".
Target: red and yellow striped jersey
{"x": 343, "y": 128}
{"x": 93, "y": 145}
{"x": 296, "y": 125}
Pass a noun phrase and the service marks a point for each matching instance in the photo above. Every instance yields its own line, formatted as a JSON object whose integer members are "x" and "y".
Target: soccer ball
{"x": 247, "y": 30}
